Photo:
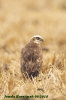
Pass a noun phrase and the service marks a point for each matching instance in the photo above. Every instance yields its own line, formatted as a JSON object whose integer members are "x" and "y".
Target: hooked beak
{"x": 42, "y": 40}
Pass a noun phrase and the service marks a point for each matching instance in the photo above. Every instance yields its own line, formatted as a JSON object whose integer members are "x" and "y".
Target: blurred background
{"x": 19, "y": 21}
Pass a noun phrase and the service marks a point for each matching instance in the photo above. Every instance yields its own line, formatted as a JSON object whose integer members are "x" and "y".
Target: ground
{"x": 19, "y": 21}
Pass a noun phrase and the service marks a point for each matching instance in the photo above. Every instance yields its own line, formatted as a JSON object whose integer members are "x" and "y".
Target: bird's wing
{"x": 31, "y": 60}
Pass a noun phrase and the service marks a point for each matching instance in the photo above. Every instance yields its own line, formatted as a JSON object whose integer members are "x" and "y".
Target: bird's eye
{"x": 37, "y": 38}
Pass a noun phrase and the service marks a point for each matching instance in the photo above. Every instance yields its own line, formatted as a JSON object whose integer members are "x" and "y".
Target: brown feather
{"x": 31, "y": 59}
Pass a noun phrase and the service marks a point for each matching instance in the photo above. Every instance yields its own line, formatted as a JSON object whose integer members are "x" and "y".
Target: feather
{"x": 31, "y": 59}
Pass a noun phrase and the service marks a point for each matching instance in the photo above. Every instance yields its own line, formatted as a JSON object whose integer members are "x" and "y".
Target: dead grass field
{"x": 19, "y": 21}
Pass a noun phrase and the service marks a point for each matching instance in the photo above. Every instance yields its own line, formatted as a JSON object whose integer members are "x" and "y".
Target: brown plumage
{"x": 31, "y": 57}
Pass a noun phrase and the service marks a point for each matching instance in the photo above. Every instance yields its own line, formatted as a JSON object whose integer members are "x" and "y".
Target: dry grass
{"x": 19, "y": 21}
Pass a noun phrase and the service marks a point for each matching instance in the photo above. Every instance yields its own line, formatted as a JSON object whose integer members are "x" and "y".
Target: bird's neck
{"x": 34, "y": 44}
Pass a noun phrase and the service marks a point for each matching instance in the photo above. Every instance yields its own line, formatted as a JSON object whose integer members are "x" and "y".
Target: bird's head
{"x": 37, "y": 39}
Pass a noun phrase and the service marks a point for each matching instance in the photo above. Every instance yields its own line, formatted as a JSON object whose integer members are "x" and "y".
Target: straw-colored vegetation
{"x": 19, "y": 21}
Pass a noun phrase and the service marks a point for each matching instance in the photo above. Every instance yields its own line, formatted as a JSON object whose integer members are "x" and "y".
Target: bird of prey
{"x": 31, "y": 57}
